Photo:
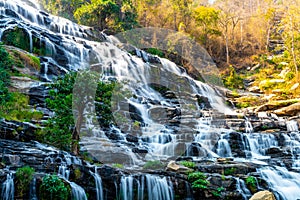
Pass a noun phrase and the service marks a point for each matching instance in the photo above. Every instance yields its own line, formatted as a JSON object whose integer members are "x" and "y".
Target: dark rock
{"x": 131, "y": 138}
{"x": 140, "y": 151}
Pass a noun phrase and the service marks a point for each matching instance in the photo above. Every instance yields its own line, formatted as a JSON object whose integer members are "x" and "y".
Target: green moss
{"x": 17, "y": 37}
{"x": 118, "y": 165}
{"x": 17, "y": 109}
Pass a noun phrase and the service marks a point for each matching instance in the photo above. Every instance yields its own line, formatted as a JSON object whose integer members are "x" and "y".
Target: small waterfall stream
{"x": 151, "y": 186}
{"x": 78, "y": 192}
{"x": 98, "y": 181}
{"x": 8, "y": 188}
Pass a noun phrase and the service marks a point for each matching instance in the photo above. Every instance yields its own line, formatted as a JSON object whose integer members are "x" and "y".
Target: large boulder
{"x": 290, "y": 110}
{"x": 263, "y": 195}
{"x": 172, "y": 166}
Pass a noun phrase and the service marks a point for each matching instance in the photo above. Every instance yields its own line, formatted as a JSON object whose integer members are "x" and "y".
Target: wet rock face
{"x": 237, "y": 144}
{"x": 14, "y": 130}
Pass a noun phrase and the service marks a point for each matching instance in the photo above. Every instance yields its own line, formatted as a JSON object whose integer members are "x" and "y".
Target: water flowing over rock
{"x": 161, "y": 113}
{"x": 8, "y": 188}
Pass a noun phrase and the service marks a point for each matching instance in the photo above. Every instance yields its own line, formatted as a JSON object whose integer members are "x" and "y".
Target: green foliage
{"x": 24, "y": 176}
{"x": 53, "y": 188}
{"x": 64, "y": 8}
{"x": 58, "y": 130}
{"x": 17, "y": 37}
{"x": 188, "y": 164}
{"x": 118, "y": 165}
{"x": 198, "y": 180}
{"x": 250, "y": 180}
{"x": 103, "y": 98}
{"x": 36, "y": 61}
{"x": 234, "y": 80}
{"x": 107, "y": 14}
{"x": 77, "y": 173}
{"x": 230, "y": 171}
{"x": 217, "y": 193}
{"x": 207, "y": 18}
{"x": 155, "y": 51}
{"x": 155, "y": 164}
{"x": 16, "y": 108}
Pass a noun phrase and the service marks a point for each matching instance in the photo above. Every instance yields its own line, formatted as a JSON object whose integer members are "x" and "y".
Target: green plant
{"x": 136, "y": 125}
{"x": 77, "y": 173}
{"x": 233, "y": 80}
{"x": 188, "y": 164}
{"x": 198, "y": 180}
{"x": 230, "y": 171}
{"x": 118, "y": 165}
{"x": 24, "y": 176}
{"x": 155, "y": 51}
{"x": 250, "y": 180}
{"x": 53, "y": 188}
{"x": 217, "y": 193}
{"x": 153, "y": 164}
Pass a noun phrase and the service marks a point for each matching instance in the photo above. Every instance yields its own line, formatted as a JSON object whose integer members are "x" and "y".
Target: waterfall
{"x": 155, "y": 187}
{"x": 64, "y": 171}
{"x": 159, "y": 188}
{"x": 223, "y": 148}
{"x": 248, "y": 126}
{"x": 8, "y": 188}
{"x": 284, "y": 183}
{"x": 242, "y": 189}
{"x": 127, "y": 188}
{"x": 98, "y": 181}
{"x": 78, "y": 192}
{"x": 259, "y": 143}
{"x": 292, "y": 126}
{"x": 33, "y": 195}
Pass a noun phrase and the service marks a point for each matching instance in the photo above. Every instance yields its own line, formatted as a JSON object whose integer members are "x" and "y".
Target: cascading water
{"x": 64, "y": 171}
{"x": 33, "y": 195}
{"x": 292, "y": 126}
{"x": 150, "y": 186}
{"x": 284, "y": 183}
{"x": 78, "y": 192}
{"x": 98, "y": 181}
{"x": 242, "y": 189}
{"x": 166, "y": 110}
{"x": 8, "y": 188}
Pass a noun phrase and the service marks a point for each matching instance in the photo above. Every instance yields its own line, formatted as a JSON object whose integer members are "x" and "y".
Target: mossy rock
{"x": 19, "y": 37}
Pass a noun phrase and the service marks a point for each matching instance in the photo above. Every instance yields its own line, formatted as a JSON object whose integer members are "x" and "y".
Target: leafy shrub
{"x": 250, "y": 180}
{"x": 198, "y": 180}
{"x": 53, "y": 188}
{"x": 155, "y": 164}
{"x": 24, "y": 176}
{"x": 233, "y": 80}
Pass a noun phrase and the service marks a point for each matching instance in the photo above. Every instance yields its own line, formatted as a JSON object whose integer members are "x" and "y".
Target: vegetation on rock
{"x": 24, "y": 176}
{"x": 54, "y": 188}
